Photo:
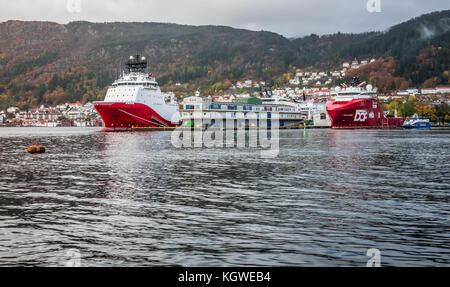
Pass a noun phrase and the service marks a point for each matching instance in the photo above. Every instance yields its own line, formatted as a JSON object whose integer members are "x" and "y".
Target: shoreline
{"x": 247, "y": 128}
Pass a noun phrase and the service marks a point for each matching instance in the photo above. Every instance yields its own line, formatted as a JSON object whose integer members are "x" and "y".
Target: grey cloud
{"x": 287, "y": 17}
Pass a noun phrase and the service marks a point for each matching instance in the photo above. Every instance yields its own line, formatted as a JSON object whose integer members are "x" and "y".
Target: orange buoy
{"x": 36, "y": 149}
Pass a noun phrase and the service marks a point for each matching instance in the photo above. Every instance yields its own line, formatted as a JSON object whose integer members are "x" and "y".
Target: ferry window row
{"x": 240, "y": 108}
{"x": 235, "y": 108}
{"x": 136, "y": 84}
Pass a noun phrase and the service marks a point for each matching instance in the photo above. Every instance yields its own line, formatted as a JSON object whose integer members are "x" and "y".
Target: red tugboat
{"x": 356, "y": 107}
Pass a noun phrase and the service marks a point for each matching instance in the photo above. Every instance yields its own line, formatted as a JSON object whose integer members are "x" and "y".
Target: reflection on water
{"x": 133, "y": 199}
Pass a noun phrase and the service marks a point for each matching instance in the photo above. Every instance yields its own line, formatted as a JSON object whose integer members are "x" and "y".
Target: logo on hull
{"x": 360, "y": 116}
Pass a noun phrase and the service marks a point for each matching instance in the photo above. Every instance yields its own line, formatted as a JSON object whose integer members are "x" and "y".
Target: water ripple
{"x": 132, "y": 199}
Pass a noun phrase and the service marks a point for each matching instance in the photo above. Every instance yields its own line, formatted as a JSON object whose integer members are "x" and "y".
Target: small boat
{"x": 415, "y": 123}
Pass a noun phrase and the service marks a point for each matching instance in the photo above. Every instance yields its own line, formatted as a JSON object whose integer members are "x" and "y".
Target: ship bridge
{"x": 351, "y": 93}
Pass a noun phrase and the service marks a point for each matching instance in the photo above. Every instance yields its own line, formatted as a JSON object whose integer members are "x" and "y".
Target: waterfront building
{"x": 316, "y": 112}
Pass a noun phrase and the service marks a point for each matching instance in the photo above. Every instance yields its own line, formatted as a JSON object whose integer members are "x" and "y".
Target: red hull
{"x": 124, "y": 116}
{"x": 359, "y": 114}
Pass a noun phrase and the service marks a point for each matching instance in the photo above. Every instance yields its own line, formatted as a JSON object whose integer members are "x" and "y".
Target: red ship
{"x": 356, "y": 107}
{"x": 135, "y": 100}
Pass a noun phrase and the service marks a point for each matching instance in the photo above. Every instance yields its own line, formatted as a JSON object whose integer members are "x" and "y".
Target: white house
{"x": 335, "y": 74}
{"x": 294, "y": 81}
{"x": 412, "y": 91}
{"x": 12, "y": 110}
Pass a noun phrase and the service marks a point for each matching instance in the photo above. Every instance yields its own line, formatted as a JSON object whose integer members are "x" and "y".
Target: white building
{"x": 322, "y": 119}
{"x": 336, "y": 74}
{"x": 443, "y": 90}
{"x": 403, "y": 93}
{"x": 355, "y": 65}
{"x": 430, "y": 91}
{"x": 412, "y": 91}
{"x": 12, "y": 110}
{"x": 316, "y": 112}
{"x": 295, "y": 81}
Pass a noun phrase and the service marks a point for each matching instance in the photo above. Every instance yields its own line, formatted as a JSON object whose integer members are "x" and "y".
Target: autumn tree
{"x": 407, "y": 109}
{"x": 423, "y": 110}
{"x": 442, "y": 110}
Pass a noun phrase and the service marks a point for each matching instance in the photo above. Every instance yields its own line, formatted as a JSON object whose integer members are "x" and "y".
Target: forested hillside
{"x": 50, "y": 63}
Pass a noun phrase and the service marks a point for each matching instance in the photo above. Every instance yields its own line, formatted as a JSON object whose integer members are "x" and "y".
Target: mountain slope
{"x": 408, "y": 43}
{"x": 50, "y": 63}
{"x": 324, "y": 50}
{"x": 33, "y": 54}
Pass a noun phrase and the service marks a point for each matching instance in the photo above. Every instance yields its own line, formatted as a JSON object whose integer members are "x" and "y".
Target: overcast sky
{"x": 287, "y": 17}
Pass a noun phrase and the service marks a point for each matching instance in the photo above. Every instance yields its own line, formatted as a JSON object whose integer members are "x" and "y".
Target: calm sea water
{"x": 132, "y": 199}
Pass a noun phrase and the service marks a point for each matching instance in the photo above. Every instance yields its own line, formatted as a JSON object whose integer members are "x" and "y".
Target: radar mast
{"x": 136, "y": 64}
